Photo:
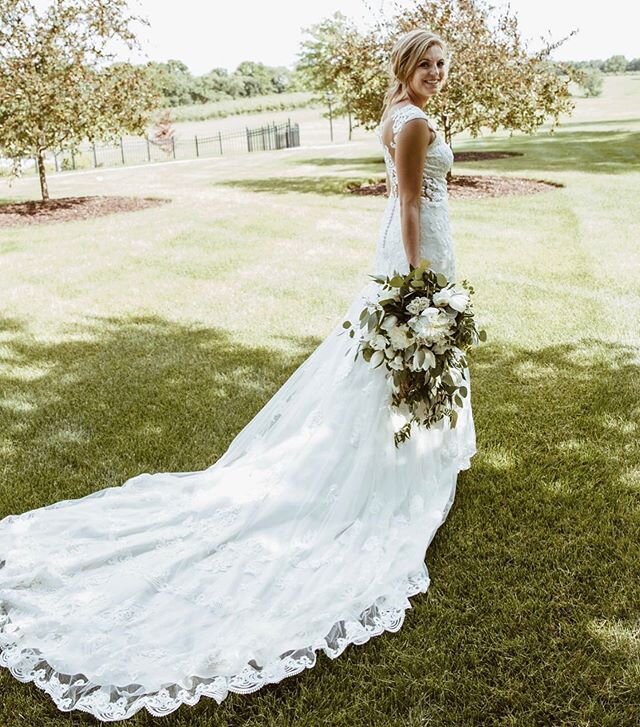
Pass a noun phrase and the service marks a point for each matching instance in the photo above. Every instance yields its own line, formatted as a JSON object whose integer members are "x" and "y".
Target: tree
{"x": 57, "y": 86}
{"x": 615, "y": 64}
{"x": 590, "y": 79}
{"x": 258, "y": 79}
{"x": 327, "y": 64}
{"x": 633, "y": 65}
{"x": 493, "y": 82}
{"x": 174, "y": 81}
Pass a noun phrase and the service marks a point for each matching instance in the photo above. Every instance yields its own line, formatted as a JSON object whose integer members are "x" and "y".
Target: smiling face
{"x": 428, "y": 76}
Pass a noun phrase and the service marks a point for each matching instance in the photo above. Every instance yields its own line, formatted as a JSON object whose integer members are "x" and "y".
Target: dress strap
{"x": 406, "y": 113}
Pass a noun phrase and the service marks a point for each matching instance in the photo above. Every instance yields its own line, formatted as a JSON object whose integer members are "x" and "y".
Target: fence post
{"x": 146, "y": 138}
{"x": 95, "y": 156}
{"x": 197, "y": 148}
{"x": 55, "y": 161}
{"x": 73, "y": 159}
{"x": 248, "y": 139}
{"x": 173, "y": 146}
{"x": 122, "y": 151}
{"x": 220, "y": 141}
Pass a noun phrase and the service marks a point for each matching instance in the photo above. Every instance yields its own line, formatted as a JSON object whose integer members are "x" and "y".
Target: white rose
{"x": 399, "y": 338}
{"x": 397, "y": 363}
{"x": 376, "y": 359}
{"x": 417, "y": 305}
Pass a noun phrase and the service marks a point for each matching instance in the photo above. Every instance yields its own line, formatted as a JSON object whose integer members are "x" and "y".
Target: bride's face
{"x": 429, "y": 75}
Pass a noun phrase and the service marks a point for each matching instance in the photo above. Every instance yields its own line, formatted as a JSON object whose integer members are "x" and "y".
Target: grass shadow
{"x": 357, "y": 164}
{"x": 126, "y": 396}
{"x": 321, "y": 185}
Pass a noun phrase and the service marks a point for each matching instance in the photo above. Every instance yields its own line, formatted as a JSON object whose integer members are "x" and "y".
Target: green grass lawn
{"x": 145, "y": 341}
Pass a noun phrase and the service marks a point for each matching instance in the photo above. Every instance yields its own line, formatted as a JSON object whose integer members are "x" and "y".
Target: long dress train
{"x": 308, "y": 534}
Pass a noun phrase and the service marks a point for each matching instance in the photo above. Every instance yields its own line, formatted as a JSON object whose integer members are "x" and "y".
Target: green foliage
{"x": 590, "y": 79}
{"x": 56, "y": 85}
{"x": 327, "y": 62}
{"x": 494, "y": 82}
{"x": 180, "y": 88}
{"x": 615, "y": 64}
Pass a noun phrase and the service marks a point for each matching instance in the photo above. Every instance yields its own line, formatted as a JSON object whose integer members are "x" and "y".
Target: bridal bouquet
{"x": 419, "y": 326}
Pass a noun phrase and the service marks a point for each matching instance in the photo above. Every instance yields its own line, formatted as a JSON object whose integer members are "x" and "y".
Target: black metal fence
{"x": 140, "y": 151}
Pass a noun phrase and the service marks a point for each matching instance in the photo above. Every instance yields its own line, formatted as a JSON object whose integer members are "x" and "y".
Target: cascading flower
{"x": 419, "y": 327}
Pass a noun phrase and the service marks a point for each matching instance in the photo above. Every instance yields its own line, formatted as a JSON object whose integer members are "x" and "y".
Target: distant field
{"x": 242, "y": 106}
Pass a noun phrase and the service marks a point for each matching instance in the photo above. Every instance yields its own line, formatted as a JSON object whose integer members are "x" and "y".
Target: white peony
{"x": 431, "y": 325}
{"x": 399, "y": 338}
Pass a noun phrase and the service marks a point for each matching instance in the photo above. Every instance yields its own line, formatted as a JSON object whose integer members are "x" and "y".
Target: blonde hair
{"x": 409, "y": 49}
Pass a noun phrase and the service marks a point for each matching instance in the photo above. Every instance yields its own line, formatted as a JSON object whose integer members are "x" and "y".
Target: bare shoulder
{"x": 415, "y": 134}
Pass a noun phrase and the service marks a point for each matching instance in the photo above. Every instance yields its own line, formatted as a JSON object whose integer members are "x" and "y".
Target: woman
{"x": 308, "y": 534}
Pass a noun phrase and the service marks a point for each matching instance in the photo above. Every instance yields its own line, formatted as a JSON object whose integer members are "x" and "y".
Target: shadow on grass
{"x": 127, "y": 396}
{"x": 321, "y": 185}
{"x": 357, "y": 164}
{"x": 538, "y": 559}
{"x": 609, "y": 152}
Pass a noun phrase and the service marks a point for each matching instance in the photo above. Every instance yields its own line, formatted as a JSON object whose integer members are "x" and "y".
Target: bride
{"x": 308, "y": 534}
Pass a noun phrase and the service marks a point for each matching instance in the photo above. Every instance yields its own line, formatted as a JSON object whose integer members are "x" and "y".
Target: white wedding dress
{"x": 308, "y": 534}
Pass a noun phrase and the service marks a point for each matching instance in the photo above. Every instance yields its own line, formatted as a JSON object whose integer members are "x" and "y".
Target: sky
{"x": 222, "y": 34}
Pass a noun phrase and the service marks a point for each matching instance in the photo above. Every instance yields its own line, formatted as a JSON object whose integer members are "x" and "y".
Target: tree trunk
{"x": 447, "y": 138}
{"x": 43, "y": 175}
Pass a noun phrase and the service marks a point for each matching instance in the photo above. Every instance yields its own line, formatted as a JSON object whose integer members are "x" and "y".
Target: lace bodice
{"x": 435, "y": 237}
{"x": 437, "y": 163}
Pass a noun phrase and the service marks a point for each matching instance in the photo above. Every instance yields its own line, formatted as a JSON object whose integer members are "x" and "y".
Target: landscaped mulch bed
{"x": 67, "y": 209}
{"x": 469, "y": 186}
{"x": 481, "y": 156}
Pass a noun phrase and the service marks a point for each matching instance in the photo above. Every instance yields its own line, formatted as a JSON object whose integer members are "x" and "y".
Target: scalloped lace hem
{"x": 109, "y": 703}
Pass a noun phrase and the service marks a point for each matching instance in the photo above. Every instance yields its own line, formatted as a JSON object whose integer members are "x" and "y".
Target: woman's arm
{"x": 411, "y": 150}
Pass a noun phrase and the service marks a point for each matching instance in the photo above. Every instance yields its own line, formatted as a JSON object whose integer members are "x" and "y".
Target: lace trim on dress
{"x": 111, "y": 703}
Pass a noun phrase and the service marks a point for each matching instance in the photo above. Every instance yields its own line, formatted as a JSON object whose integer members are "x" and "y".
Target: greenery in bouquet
{"x": 419, "y": 326}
